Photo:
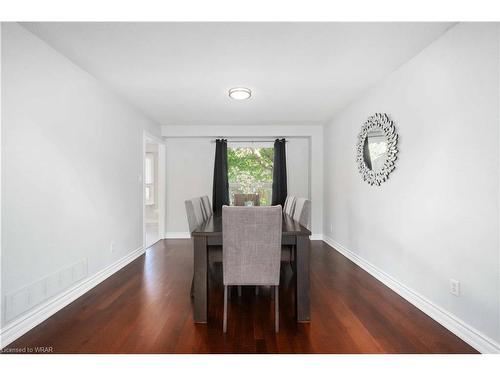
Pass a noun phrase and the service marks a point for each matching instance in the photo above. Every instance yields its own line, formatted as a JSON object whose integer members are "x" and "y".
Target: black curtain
{"x": 279, "y": 173}
{"x": 220, "y": 195}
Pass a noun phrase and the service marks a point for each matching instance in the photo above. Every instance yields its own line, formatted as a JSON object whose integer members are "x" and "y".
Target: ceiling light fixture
{"x": 240, "y": 93}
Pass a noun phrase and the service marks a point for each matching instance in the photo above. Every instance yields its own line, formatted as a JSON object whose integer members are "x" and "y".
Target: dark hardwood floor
{"x": 146, "y": 308}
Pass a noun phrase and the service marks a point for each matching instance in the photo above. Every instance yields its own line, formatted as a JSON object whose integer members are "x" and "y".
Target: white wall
{"x": 437, "y": 216}
{"x": 298, "y": 167}
{"x": 72, "y": 157}
{"x": 190, "y": 163}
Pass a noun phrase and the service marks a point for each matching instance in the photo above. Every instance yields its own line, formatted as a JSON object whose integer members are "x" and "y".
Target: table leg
{"x": 200, "y": 279}
{"x": 302, "y": 279}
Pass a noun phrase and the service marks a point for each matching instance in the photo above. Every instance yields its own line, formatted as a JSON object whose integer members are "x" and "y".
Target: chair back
{"x": 251, "y": 245}
{"x": 240, "y": 199}
{"x": 198, "y": 210}
{"x": 286, "y": 203}
{"x": 207, "y": 208}
{"x": 194, "y": 212}
{"x": 289, "y": 206}
{"x": 191, "y": 217}
{"x": 302, "y": 212}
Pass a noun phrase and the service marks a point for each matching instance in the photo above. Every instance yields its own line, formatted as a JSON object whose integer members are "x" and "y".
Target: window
{"x": 250, "y": 171}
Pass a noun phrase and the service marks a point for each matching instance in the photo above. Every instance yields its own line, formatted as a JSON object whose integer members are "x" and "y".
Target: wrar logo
{"x": 44, "y": 349}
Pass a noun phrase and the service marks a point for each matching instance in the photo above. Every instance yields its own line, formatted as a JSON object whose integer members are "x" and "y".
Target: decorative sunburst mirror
{"x": 377, "y": 149}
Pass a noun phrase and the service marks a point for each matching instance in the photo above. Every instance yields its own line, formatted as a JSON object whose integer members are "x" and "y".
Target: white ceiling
{"x": 179, "y": 73}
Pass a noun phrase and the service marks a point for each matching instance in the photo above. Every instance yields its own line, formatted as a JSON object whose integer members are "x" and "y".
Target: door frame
{"x": 148, "y": 137}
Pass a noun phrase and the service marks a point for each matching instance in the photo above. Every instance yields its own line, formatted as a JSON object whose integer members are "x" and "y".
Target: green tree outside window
{"x": 250, "y": 170}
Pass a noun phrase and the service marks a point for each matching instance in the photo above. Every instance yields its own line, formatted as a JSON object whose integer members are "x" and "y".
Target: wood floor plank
{"x": 146, "y": 308}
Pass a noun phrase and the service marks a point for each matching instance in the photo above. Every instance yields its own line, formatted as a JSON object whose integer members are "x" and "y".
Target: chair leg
{"x": 192, "y": 287}
{"x": 224, "y": 324}
{"x": 291, "y": 261}
{"x": 256, "y": 290}
{"x": 276, "y": 308}
{"x": 239, "y": 290}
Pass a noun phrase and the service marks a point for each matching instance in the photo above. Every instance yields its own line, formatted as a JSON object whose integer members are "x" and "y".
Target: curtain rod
{"x": 242, "y": 141}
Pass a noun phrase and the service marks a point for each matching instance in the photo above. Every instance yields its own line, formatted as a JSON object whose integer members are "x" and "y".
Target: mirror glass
{"x": 375, "y": 150}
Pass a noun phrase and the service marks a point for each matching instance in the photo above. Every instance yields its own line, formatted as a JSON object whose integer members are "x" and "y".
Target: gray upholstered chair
{"x": 193, "y": 223}
{"x": 215, "y": 252}
{"x": 286, "y": 203}
{"x": 207, "y": 208}
{"x": 196, "y": 217}
{"x": 198, "y": 210}
{"x": 289, "y": 205}
{"x": 191, "y": 216}
{"x": 251, "y": 249}
{"x": 302, "y": 212}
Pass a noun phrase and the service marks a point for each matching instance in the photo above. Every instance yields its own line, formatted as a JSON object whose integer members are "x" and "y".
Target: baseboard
{"x": 174, "y": 235}
{"x": 31, "y": 319}
{"x": 470, "y": 335}
{"x": 316, "y": 236}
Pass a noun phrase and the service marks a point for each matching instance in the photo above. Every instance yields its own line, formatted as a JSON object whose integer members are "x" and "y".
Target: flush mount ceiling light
{"x": 240, "y": 93}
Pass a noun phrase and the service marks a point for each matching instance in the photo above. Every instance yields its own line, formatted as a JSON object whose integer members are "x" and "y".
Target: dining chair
{"x": 251, "y": 250}
{"x": 289, "y": 205}
{"x": 215, "y": 252}
{"x": 198, "y": 210}
{"x": 193, "y": 223}
{"x": 192, "y": 217}
{"x": 196, "y": 217}
{"x": 286, "y": 203}
{"x": 302, "y": 212}
{"x": 207, "y": 208}
{"x": 288, "y": 208}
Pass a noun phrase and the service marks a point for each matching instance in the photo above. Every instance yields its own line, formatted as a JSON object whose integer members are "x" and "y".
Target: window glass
{"x": 250, "y": 171}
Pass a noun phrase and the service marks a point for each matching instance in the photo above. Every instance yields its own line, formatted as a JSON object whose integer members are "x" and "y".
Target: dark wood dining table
{"x": 210, "y": 234}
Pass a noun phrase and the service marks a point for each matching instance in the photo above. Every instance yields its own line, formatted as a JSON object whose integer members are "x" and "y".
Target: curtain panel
{"x": 220, "y": 195}
{"x": 279, "y": 173}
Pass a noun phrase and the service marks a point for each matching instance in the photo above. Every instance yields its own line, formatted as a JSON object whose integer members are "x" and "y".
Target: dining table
{"x": 209, "y": 233}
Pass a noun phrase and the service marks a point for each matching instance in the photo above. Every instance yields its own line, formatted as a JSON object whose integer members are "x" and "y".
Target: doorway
{"x": 153, "y": 190}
